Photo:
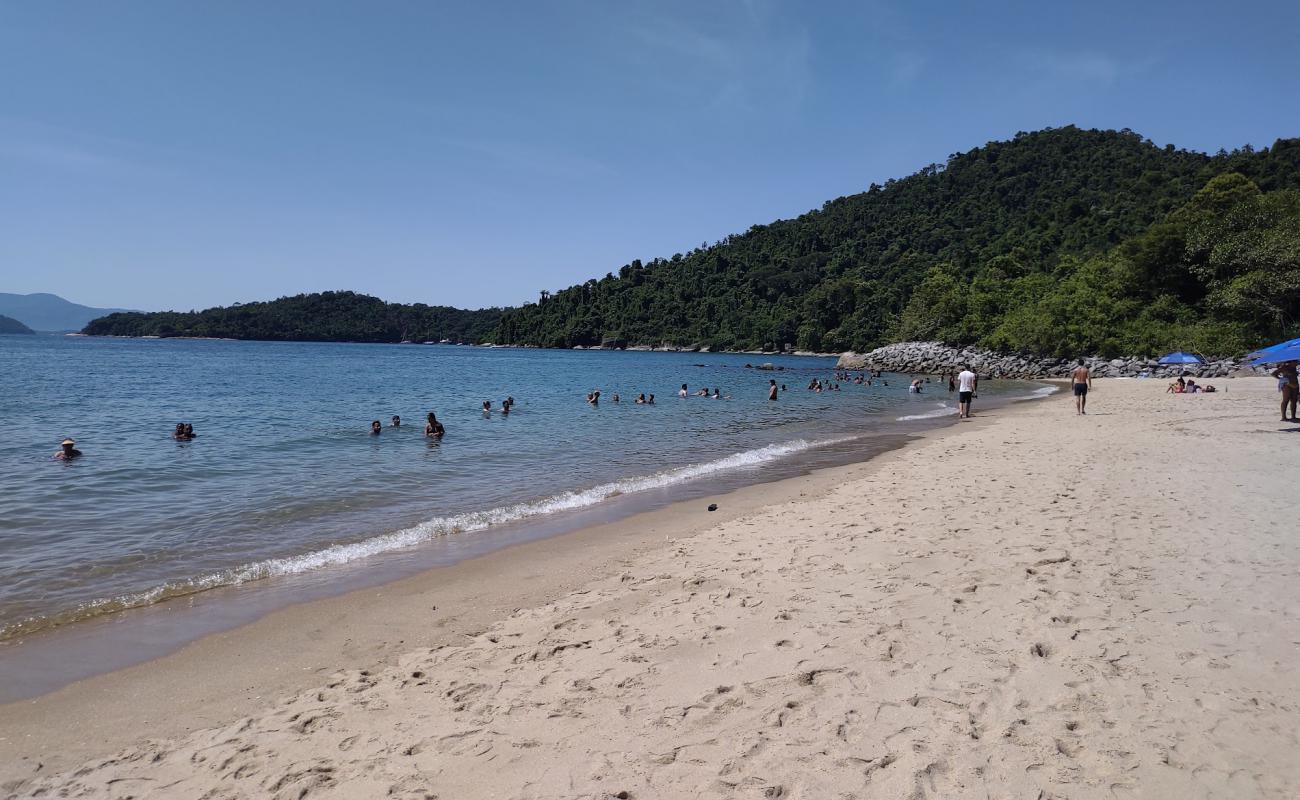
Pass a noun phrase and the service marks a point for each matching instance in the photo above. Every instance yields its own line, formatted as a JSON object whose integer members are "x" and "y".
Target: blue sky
{"x": 183, "y": 155}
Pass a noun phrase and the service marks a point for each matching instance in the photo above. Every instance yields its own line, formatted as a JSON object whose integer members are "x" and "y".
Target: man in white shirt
{"x": 967, "y": 384}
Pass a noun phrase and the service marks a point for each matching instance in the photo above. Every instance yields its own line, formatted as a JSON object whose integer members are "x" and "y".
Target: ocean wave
{"x": 339, "y": 554}
{"x": 1040, "y": 392}
{"x": 943, "y": 410}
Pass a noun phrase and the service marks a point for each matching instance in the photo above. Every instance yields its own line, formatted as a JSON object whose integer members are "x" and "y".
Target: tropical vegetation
{"x": 1062, "y": 241}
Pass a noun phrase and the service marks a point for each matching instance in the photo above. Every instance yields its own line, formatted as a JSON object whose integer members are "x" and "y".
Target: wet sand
{"x": 1031, "y": 604}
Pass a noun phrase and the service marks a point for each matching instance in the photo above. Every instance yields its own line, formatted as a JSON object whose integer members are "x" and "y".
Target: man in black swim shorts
{"x": 1082, "y": 380}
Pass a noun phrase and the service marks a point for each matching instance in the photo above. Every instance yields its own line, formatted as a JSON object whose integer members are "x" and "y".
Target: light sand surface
{"x": 1036, "y": 605}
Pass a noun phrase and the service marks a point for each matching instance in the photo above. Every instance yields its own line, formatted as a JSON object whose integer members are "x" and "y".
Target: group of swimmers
{"x": 184, "y": 432}
{"x": 432, "y": 427}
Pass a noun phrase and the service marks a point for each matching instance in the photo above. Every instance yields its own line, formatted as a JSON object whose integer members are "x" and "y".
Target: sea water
{"x": 285, "y": 478}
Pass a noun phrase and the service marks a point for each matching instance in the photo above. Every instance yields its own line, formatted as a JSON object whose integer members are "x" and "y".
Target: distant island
{"x": 1059, "y": 242}
{"x": 49, "y": 312}
{"x": 11, "y": 325}
{"x": 318, "y": 317}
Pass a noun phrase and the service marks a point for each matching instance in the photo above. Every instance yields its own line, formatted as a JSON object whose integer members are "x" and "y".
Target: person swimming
{"x": 717, "y": 393}
{"x": 487, "y": 407}
{"x": 505, "y": 408}
{"x": 432, "y": 427}
{"x": 594, "y": 398}
{"x": 397, "y": 421}
{"x": 189, "y": 431}
{"x": 682, "y": 392}
{"x": 376, "y": 428}
{"x": 180, "y": 431}
{"x": 640, "y": 399}
{"x": 67, "y": 450}
{"x": 651, "y": 401}
{"x": 615, "y": 397}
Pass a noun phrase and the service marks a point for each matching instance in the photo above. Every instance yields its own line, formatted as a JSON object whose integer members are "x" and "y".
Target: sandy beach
{"x": 1030, "y": 604}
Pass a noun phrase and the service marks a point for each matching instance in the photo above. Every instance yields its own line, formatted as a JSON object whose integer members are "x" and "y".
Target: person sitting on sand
{"x": 67, "y": 451}
{"x": 1191, "y": 387}
{"x": 1177, "y": 386}
{"x": 433, "y": 428}
{"x": 397, "y": 421}
{"x": 376, "y": 428}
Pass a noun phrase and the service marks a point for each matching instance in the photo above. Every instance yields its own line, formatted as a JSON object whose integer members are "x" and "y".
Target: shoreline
{"x": 462, "y": 599}
{"x": 1031, "y": 604}
{"x": 44, "y": 659}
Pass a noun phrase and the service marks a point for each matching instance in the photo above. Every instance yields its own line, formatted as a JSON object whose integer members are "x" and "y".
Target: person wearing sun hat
{"x": 68, "y": 450}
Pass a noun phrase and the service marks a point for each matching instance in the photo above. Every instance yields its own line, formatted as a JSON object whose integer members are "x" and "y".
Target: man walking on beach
{"x": 1082, "y": 380}
{"x": 967, "y": 385}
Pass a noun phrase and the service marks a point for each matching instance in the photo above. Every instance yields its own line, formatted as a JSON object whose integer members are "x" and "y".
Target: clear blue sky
{"x": 182, "y": 155}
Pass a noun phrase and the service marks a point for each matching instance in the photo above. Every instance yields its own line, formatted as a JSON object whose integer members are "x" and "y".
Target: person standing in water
{"x": 67, "y": 451}
{"x": 682, "y": 392}
{"x": 433, "y": 428}
{"x": 397, "y": 421}
{"x": 771, "y": 389}
{"x": 376, "y": 428}
{"x": 487, "y": 408}
{"x": 967, "y": 385}
{"x": 1081, "y": 379}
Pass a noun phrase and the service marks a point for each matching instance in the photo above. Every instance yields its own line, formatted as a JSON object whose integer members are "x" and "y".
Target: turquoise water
{"x": 284, "y": 477}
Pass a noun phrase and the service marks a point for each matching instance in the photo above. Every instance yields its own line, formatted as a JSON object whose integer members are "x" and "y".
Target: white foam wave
{"x": 339, "y": 554}
{"x": 1040, "y": 392}
{"x": 942, "y": 411}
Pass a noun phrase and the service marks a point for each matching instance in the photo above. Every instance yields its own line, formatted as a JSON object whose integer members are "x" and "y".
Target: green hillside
{"x": 322, "y": 317}
{"x": 1060, "y": 240}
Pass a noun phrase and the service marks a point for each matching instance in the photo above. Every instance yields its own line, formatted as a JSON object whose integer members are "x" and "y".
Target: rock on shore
{"x": 936, "y": 357}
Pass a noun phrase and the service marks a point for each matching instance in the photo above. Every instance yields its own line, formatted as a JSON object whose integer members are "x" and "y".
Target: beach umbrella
{"x": 1275, "y": 355}
{"x": 1263, "y": 351}
{"x": 1180, "y": 357}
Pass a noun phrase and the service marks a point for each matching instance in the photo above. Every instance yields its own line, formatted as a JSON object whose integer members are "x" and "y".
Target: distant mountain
{"x": 11, "y": 325}
{"x": 49, "y": 312}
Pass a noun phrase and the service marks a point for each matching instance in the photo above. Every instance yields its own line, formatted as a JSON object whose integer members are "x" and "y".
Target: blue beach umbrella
{"x": 1274, "y": 355}
{"x": 1180, "y": 357}
{"x": 1272, "y": 348}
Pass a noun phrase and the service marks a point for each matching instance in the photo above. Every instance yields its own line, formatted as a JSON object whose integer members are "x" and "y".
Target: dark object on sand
{"x": 713, "y": 506}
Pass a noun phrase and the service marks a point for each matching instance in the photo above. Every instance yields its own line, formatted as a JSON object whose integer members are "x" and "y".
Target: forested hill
{"x": 321, "y": 317}
{"x": 11, "y": 325}
{"x": 1061, "y": 240}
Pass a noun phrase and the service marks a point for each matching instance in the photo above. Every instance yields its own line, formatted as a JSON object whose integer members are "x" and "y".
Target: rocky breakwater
{"x": 938, "y": 358}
